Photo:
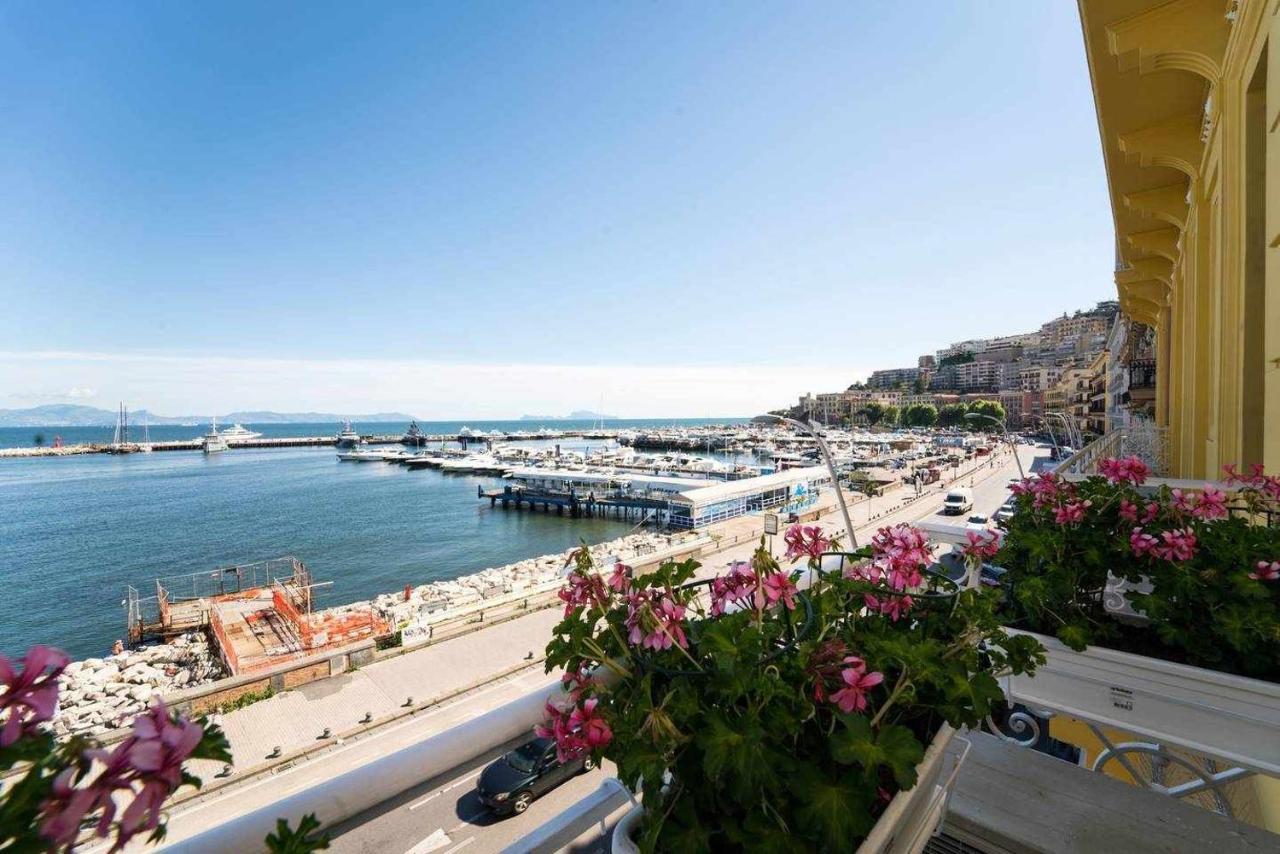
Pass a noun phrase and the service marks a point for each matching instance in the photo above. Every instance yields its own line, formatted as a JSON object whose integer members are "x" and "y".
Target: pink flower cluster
{"x": 1126, "y": 470}
{"x": 741, "y": 584}
{"x": 576, "y": 727}
{"x": 147, "y": 764}
{"x": 898, "y": 557}
{"x": 1174, "y": 545}
{"x": 582, "y": 590}
{"x": 1209, "y": 504}
{"x": 1257, "y": 479}
{"x": 655, "y": 620}
{"x": 1071, "y": 513}
{"x": 1129, "y": 511}
{"x": 29, "y": 697}
{"x": 806, "y": 541}
{"x": 852, "y": 696}
{"x": 981, "y": 545}
{"x": 1266, "y": 571}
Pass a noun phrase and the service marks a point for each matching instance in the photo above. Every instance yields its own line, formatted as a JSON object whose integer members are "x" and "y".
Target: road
{"x": 443, "y": 814}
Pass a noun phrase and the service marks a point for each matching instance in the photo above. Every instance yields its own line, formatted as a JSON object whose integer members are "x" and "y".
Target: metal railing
{"x": 1145, "y": 441}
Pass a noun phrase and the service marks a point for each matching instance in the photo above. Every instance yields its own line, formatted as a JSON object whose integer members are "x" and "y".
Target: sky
{"x": 485, "y": 209}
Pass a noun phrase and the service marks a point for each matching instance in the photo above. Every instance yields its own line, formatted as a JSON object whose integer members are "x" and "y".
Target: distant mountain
{"x": 72, "y": 415}
{"x": 576, "y": 415}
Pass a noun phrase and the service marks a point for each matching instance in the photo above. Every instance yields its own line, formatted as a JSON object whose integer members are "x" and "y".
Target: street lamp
{"x": 1004, "y": 428}
{"x": 831, "y": 468}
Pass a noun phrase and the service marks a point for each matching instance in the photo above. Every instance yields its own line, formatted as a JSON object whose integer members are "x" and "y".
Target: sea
{"x": 77, "y": 531}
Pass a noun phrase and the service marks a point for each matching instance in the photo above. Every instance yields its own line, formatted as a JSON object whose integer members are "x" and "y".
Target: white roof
{"x": 753, "y": 485}
{"x": 607, "y": 477}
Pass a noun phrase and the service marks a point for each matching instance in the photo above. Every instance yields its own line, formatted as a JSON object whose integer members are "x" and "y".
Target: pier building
{"x": 680, "y": 502}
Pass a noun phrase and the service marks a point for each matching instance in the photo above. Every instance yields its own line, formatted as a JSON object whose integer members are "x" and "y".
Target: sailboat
{"x": 120, "y": 443}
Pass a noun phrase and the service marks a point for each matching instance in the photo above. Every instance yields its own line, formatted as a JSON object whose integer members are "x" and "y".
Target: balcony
{"x": 1142, "y": 374}
{"x": 1146, "y": 441}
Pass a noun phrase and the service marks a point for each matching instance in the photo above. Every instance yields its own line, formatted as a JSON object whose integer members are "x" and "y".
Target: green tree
{"x": 992, "y": 408}
{"x": 873, "y": 412}
{"x": 890, "y": 416}
{"x": 919, "y": 415}
{"x": 919, "y": 387}
{"x": 952, "y": 415}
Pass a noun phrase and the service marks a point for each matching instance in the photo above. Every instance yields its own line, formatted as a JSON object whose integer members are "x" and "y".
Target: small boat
{"x": 236, "y": 433}
{"x": 212, "y": 442}
{"x": 347, "y": 436}
{"x": 399, "y": 455}
{"x": 361, "y": 455}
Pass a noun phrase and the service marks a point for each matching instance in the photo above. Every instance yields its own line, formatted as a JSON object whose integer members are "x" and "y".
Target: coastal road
{"x": 443, "y": 813}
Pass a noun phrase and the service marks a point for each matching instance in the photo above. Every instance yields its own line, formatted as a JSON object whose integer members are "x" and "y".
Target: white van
{"x": 958, "y": 501}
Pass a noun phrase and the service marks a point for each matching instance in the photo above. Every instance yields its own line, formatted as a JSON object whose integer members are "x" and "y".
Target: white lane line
{"x": 460, "y": 781}
{"x": 434, "y": 842}
{"x": 461, "y": 845}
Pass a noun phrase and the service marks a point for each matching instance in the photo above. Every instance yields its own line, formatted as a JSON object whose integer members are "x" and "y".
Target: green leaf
{"x": 840, "y": 810}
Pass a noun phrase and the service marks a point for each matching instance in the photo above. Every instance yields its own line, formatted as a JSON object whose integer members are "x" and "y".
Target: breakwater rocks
{"x": 101, "y": 694}
{"x": 434, "y": 601}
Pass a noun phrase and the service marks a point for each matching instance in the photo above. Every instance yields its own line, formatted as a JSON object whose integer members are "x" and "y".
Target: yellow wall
{"x": 1188, "y": 101}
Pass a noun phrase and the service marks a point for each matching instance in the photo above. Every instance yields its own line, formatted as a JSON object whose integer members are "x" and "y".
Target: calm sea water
{"x": 74, "y": 531}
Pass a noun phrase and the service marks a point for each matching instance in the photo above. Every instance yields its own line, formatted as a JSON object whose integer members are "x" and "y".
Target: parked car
{"x": 977, "y": 522}
{"x": 952, "y": 565}
{"x": 511, "y": 782}
{"x": 958, "y": 500}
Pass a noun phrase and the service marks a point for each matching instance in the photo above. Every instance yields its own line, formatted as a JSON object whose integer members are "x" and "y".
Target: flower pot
{"x": 1223, "y": 715}
{"x": 906, "y": 825}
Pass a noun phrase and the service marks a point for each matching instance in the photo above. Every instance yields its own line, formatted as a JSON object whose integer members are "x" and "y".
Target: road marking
{"x": 466, "y": 821}
{"x": 460, "y": 781}
{"x": 461, "y": 845}
{"x": 434, "y": 842}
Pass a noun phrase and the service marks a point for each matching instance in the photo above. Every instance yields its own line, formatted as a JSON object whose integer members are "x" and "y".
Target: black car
{"x": 511, "y": 782}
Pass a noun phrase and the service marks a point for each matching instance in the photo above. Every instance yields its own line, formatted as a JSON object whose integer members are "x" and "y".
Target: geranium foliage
{"x": 1206, "y": 558}
{"x": 758, "y": 711}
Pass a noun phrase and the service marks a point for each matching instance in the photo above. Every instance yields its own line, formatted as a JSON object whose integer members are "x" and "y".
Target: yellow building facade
{"x": 1188, "y": 102}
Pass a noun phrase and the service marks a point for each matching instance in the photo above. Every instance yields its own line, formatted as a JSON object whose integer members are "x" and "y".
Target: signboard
{"x": 801, "y": 497}
{"x": 771, "y": 523}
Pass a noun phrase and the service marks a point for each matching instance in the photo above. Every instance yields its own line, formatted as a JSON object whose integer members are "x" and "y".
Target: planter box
{"x": 911, "y": 818}
{"x": 1230, "y": 717}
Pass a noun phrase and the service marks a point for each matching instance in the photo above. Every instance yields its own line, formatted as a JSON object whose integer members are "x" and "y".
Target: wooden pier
{"x": 577, "y": 504}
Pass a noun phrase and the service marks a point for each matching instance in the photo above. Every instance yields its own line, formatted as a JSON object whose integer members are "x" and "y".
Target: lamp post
{"x": 1004, "y": 428}
{"x": 831, "y": 468}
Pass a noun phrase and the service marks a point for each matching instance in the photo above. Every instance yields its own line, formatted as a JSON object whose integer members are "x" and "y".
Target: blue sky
{"x": 727, "y": 201}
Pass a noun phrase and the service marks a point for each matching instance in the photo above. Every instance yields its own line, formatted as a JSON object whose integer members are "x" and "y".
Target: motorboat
{"x": 237, "y": 433}
{"x": 213, "y": 442}
{"x": 347, "y": 436}
{"x": 361, "y": 455}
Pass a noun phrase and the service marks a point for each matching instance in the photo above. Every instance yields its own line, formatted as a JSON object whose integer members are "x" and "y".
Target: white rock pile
{"x": 101, "y": 694}
{"x": 432, "y": 601}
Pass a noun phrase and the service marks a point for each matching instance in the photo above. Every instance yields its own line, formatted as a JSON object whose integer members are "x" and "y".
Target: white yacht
{"x": 347, "y": 436}
{"x": 361, "y": 455}
{"x": 238, "y": 433}
{"x": 213, "y": 442}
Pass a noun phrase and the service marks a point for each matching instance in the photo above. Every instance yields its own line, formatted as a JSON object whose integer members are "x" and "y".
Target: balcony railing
{"x": 1145, "y": 441}
{"x": 1142, "y": 374}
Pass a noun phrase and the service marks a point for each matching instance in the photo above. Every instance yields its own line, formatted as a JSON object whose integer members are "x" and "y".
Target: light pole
{"x": 831, "y": 469}
{"x": 1004, "y": 428}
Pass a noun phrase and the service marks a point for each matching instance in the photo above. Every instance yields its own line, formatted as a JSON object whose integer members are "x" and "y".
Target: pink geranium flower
{"x": 1141, "y": 543}
{"x": 29, "y": 697}
{"x": 1266, "y": 571}
{"x": 1212, "y": 504}
{"x": 893, "y": 607}
{"x": 655, "y": 621}
{"x": 806, "y": 541}
{"x": 1071, "y": 513}
{"x": 1128, "y": 510}
{"x": 620, "y": 578}
{"x": 1177, "y": 544}
{"x": 778, "y": 587}
{"x": 981, "y": 545}
{"x": 1126, "y": 470}
{"x": 857, "y": 682}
